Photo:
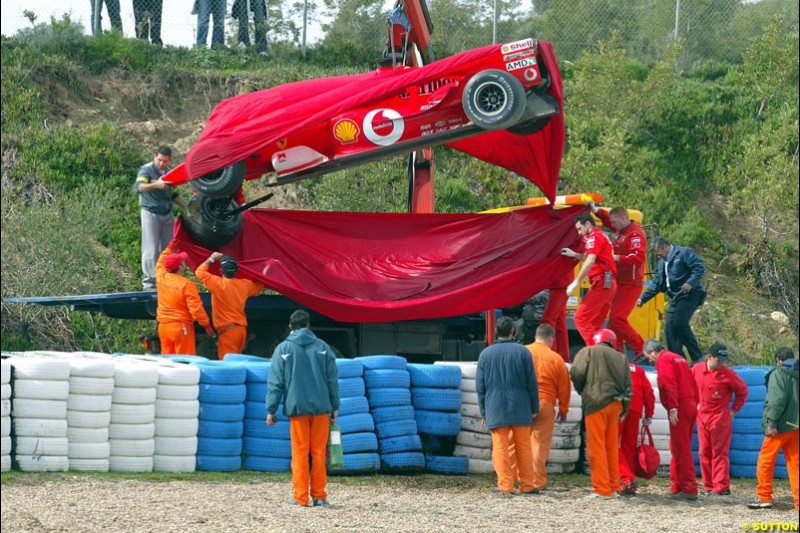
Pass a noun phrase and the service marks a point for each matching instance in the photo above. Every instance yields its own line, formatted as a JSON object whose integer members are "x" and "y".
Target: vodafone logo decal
{"x": 383, "y": 127}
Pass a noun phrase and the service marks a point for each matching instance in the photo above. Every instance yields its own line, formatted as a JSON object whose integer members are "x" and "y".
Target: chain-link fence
{"x": 712, "y": 30}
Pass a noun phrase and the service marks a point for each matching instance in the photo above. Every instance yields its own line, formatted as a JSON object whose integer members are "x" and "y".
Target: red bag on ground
{"x": 647, "y": 457}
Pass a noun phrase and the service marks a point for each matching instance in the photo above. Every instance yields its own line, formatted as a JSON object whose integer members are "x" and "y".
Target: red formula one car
{"x": 500, "y": 103}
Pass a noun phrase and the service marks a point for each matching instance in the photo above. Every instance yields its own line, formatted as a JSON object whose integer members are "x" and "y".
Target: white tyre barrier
{"x": 91, "y": 386}
{"x": 178, "y": 374}
{"x": 5, "y": 445}
{"x": 131, "y": 431}
{"x": 39, "y": 389}
{"x": 469, "y": 398}
{"x": 5, "y": 407}
{"x": 5, "y": 391}
{"x": 468, "y": 385}
{"x": 659, "y": 427}
{"x": 575, "y": 399}
{"x": 78, "y": 435}
{"x": 40, "y": 368}
{"x": 174, "y": 463}
{"x": 175, "y": 446}
{"x": 5, "y": 371}
{"x": 480, "y": 466}
{"x": 470, "y": 410}
{"x": 566, "y": 442}
{"x": 176, "y": 427}
{"x": 42, "y": 463}
{"x": 177, "y": 392}
{"x": 473, "y": 424}
{"x": 131, "y": 374}
{"x": 88, "y": 419}
{"x": 473, "y": 453}
{"x": 54, "y": 446}
{"x": 90, "y": 367}
{"x": 89, "y": 450}
{"x": 574, "y": 415}
{"x": 132, "y": 448}
{"x": 25, "y": 408}
{"x": 555, "y": 468}
{"x": 468, "y": 369}
{"x": 89, "y": 402}
{"x": 119, "y": 463}
{"x": 134, "y": 395}
{"x": 122, "y": 413}
{"x": 39, "y": 427}
{"x": 177, "y": 408}
{"x": 5, "y": 426}
{"x": 563, "y": 456}
{"x": 5, "y": 463}
{"x": 89, "y": 465}
{"x": 476, "y": 440}
{"x": 566, "y": 428}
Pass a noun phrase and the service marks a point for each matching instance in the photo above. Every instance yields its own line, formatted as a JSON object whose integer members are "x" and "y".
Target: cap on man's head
{"x": 228, "y": 266}
{"x": 720, "y": 351}
{"x": 173, "y": 261}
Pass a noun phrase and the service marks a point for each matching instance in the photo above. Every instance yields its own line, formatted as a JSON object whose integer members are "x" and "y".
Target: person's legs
{"x": 219, "y": 7}
{"x": 705, "y": 454}
{"x": 791, "y": 451}
{"x": 243, "y": 36}
{"x": 541, "y": 440}
{"x": 113, "y": 14}
{"x": 591, "y": 311}
{"x": 522, "y": 448}
{"x": 500, "y": 459}
{"x": 97, "y": 16}
{"x": 555, "y": 314}
{"x": 628, "y": 434}
{"x": 721, "y": 432}
{"x": 765, "y": 467}
{"x": 185, "y": 343}
{"x": 621, "y": 306}
{"x": 155, "y": 21}
{"x": 260, "y": 21}
{"x": 320, "y": 428}
{"x": 681, "y": 449}
{"x": 614, "y": 410}
{"x": 678, "y": 331}
{"x": 300, "y": 434}
{"x": 151, "y": 247}
{"x": 596, "y": 451}
{"x": 203, "y": 12}
{"x": 165, "y": 226}
{"x": 167, "y": 333}
{"x": 231, "y": 341}
{"x": 139, "y": 18}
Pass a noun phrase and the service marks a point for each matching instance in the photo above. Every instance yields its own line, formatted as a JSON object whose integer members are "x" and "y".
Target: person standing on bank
{"x": 678, "y": 394}
{"x": 601, "y": 376}
{"x": 780, "y": 424}
{"x": 599, "y": 266}
{"x": 630, "y": 254}
{"x": 679, "y": 274}
{"x": 508, "y": 398}
{"x": 229, "y": 295}
{"x": 147, "y": 16}
{"x": 241, "y": 10}
{"x": 305, "y": 376}
{"x": 715, "y": 385}
{"x": 156, "y": 197}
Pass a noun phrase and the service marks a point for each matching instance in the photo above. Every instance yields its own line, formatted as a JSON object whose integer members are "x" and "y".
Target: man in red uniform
{"x": 715, "y": 384}
{"x": 598, "y": 264}
{"x": 678, "y": 394}
{"x": 642, "y": 402}
{"x": 555, "y": 314}
{"x": 630, "y": 246}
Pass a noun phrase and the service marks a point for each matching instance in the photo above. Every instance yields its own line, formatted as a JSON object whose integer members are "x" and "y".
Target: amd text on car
{"x": 310, "y": 128}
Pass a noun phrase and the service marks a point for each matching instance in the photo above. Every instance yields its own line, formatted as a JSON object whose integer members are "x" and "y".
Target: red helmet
{"x": 604, "y": 336}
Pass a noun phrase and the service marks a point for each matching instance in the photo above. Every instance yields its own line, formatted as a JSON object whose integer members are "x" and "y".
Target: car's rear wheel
{"x": 209, "y": 220}
{"x": 540, "y": 107}
{"x": 494, "y": 100}
{"x": 220, "y": 183}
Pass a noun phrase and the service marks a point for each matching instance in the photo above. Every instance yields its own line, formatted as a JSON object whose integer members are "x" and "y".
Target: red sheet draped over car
{"x": 377, "y": 267}
{"x": 240, "y": 126}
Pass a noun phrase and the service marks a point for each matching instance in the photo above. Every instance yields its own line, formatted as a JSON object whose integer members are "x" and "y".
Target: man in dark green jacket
{"x": 780, "y": 421}
{"x": 304, "y": 374}
{"x": 601, "y": 376}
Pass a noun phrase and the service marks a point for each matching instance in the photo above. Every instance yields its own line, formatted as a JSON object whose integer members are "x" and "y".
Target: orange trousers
{"x": 177, "y": 338}
{"x": 231, "y": 340}
{"x": 501, "y": 460}
{"x": 541, "y": 440}
{"x": 309, "y": 434}
{"x": 789, "y": 442}
{"x": 602, "y": 448}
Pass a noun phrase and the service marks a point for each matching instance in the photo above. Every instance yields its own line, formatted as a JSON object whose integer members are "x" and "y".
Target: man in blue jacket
{"x": 304, "y": 374}
{"x": 508, "y": 397}
{"x": 679, "y": 274}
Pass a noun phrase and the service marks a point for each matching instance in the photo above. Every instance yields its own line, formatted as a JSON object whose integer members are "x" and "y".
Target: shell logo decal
{"x": 379, "y": 120}
{"x": 346, "y": 131}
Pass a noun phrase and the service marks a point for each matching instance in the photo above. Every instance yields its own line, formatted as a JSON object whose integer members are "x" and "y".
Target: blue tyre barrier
{"x": 438, "y": 423}
{"x": 396, "y": 428}
{"x": 351, "y": 387}
{"x": 219, "y": 463}
{"x": 387, "y": 379}
{"x": 353, "y": 405}
{"x": 388, "y": 397}
{"x": 429, "y": 399}
{"x": 220, "y": 430}
{"x": 220, "y": 447}
{"x": 394, "y": 412}
{"x": 406, "y": 443}
{"x": 349, "y": 368}
{"x": 452, "y": 466}
{"x": 223, "y": 394}
{"x": 376, "y": 362}
{"x": 267, "y": 447}
{"x": 356, "y": 423}
{"x": 435, "y": 376}
{"x": 359, "y": 442}
{"x": 357, "y": 463}
{"x": 403, "y": 462}
{"x": 221, "y": 412}
{"x": 267, "y": 464}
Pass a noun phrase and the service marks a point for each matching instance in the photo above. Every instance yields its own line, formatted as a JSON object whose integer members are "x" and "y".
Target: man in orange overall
{"x": 554, "y": 384}
{"x": 228, "y": 298}
{"x": 601, "y": 376}
{"x": 599, "y": 266}
{"x": 642, "y": 402}
{"x": 630, "y": 254}
{"x": 179, "y": 305}
{"x": 715, "y": 385}
{"x": 678, "y": 393}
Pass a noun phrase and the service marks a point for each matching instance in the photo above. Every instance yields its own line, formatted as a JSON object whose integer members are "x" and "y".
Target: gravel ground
{"x": 85, "y": 503}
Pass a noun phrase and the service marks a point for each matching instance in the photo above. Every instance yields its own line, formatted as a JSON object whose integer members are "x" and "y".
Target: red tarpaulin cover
{"x": 380, "y": 267}
{"x": 240, "y": 126}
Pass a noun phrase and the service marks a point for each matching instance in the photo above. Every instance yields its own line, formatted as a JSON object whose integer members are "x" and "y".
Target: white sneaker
{"x": 242, "y": 46}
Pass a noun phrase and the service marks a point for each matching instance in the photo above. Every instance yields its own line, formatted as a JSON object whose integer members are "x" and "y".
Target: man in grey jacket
{"x": 508, "y": 398}
{"x": 304, "y": 375}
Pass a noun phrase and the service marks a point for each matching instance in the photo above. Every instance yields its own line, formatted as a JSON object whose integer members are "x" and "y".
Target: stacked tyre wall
{"x": 5, "y": 416}
{"x": 359, "y": 441}
{"x": 133, "y": 412}
{"x": 176, "y": 412}
{"x": 91, "y": 385}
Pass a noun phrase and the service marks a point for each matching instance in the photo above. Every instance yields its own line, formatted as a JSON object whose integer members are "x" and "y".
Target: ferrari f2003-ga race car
{"x": 310, "y": 128}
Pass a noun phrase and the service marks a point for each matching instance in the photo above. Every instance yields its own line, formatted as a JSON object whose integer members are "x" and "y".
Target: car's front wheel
{"x": 209, "y": 220}
{"x": 223, "y": 182}
{"x": 494, "y": 100}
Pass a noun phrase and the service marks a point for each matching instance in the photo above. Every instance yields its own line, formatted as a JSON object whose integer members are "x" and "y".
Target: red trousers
{"x": 789, "y": 442}
{"x": 309, "y": 434}
{"x": 593, "y": 309}
{"x": 628, "y": 434}
{"x": 602, "y": 438}
{"x": 681, "y": 468}
{"x": 621, "y": 306}
{"x": 177, "y": 338}
{"x": 231, "y": 340}
{"x": 714, "y": 435}
{"x": 555, "y": 314}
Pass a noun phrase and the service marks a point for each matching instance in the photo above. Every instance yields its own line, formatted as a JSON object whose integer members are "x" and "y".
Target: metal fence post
{"x": 677, "y": 18}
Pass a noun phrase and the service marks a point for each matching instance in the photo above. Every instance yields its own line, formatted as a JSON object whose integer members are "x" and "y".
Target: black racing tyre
{"x": 540, "y": 107}
{"x": 493, "y": 100}
{"x": 209, "y": 222}
{"x": 221, "y": 183}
